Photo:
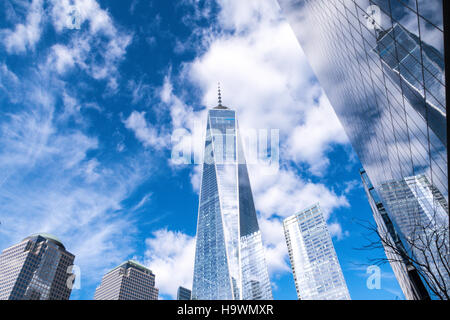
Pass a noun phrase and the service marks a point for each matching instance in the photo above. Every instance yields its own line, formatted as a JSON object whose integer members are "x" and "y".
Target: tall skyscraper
{"x": 407, "y": 276}
{"x": 316, "y": 268}
{"x": 183, "y": 294}
{"x": 128, "y": 281}
{"x": 381, "y": 65}
{"x": 229, "y": 258}
{"x": 37, "y": 268}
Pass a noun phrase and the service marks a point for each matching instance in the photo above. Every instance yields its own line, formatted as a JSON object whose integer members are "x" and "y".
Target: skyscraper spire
{"x": 219, "y": 96}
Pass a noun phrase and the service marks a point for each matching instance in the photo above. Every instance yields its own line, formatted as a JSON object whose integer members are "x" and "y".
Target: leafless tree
{"x": 426, "y": 248}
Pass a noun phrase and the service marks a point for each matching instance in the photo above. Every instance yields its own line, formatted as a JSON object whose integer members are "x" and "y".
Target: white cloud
{"x": 9, "y": 82}
{"x": 336, "y": 231}
{"x": 196, "y": 177}
{"x": 183, "y": 118}
{"x": 8, "y": 74}
{"x": 145, "y": 131}
{"x": 52, "y": 176}
{"x": 25, "y": 35}
{"x": 310, "y": 141}
{"x": 241, "y": 16}
{"x": 352, "y": 185}
{"x": 97, "y": 34}
{"x": 51, "y": 186}
{"x": 63, "y": 58}
{"x": 86, "y": 10}
{"x": 170, "y": 255}
{"x": 48, "y": 183}
{"x": 145, "y": 199}
{"x": 275, "y": 245}
{"x": 286, "y": 193}
{"x": 140, "y": 92}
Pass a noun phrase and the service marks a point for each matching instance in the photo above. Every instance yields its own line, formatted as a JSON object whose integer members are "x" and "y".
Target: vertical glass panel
{"x": 432, "y": 11}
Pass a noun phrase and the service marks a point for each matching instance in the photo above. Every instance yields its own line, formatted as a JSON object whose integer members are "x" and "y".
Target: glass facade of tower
{"x": 128, "y": 281}
{"x": 36, "y": 269}
{"x": 402, "y": 64}
{"x": 381, "y": 65}
{"x": 350, "y": 59}
{"x": 419, "y": 213}
{"x": 229, "y": 260}
{"x": 405, "y": 272}
{"x": 316, "y": 269}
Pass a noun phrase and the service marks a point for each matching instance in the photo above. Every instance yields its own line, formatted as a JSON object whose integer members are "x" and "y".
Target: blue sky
{"x": 87, "y": 114}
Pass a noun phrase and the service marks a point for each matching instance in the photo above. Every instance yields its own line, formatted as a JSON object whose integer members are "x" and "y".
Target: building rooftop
{"x": 47, "y": 236}
{"x": 134, "y": 264}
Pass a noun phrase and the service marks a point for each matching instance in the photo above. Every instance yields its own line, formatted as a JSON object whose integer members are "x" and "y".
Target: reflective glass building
{"x": 37, "y": 268}
{"x": 407, "y": 276}
{"x": 316, "y": 268}
{"x": 381, "y": 65}
{"x": 420, "y": 215}
{"x": 229, "y": 258}
{"x": 403, "y": 63}
{"x": 128, "y": 281}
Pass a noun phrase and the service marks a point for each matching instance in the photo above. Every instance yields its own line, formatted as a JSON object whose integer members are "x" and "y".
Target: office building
{"x": 128, "y": 281}
{"x": 315, "y": 266}
{"x": 183, "y": 294}
{"x": 229, "y": 259}
{"x": 37, "y": 268}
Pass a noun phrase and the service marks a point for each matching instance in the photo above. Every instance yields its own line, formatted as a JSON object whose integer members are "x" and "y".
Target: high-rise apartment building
{"x": 229, "y": 258}
{"x": 37, "y": 268}
{"x": 407, "y": 276}
{"x": 315, "y": 266}
{"x": 183, "y": 294}
{"x": 381, "y": 66}
{"x": 128, "y": 281}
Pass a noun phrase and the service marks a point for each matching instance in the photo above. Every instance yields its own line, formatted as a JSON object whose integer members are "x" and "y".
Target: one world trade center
{"x": 229, "y": 260}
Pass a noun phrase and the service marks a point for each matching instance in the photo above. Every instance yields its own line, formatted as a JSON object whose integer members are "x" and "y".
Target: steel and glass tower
{"x": 381, "y": 65}
{"x": 37, "y": 268}
{"x": 397, "y": 127}
{"x": 229, "y": 259}
{"x": 316, "y": 268}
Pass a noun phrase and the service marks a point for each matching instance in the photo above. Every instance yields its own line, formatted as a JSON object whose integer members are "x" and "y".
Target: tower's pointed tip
{"x": 219, "y": 95}
{"x": 219, "y": 98}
